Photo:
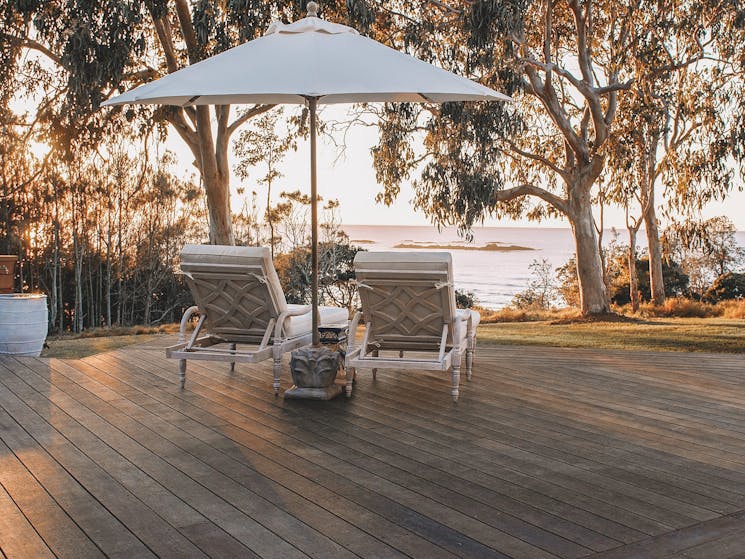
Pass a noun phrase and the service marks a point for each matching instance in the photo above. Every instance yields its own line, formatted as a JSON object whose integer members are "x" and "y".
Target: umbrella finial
{"x": 312, "y": 8}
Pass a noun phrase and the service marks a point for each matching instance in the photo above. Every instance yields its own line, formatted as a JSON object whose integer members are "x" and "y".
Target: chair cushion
{"x": 302, "y": 324}
{"x": 235, "y": 260}
{"x": 406, "y": 296}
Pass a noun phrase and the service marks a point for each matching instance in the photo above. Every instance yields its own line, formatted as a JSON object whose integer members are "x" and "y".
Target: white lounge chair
{"x": 408, "y": 305}
{"x": 238, "y": 295}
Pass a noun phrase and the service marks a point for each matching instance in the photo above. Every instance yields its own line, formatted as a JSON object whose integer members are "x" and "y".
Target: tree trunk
{"x": 108, "y": 276}
{"x": 78, "y": 267}
{"x": 218, "y": 204}
{"x": 633, "y": 276}
{"x": 656, "y": 281}
{"x": 216, "y": 178}
{"x": 589, "y": 266}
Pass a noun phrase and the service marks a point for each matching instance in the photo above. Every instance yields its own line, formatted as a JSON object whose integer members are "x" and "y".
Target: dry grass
{"x": 687, "y": 308}
{"x": 653, "y": 334}
{"x": 77, "y": 348}
{"x": 98, "y": 340}
{"x": 509, "y": 314}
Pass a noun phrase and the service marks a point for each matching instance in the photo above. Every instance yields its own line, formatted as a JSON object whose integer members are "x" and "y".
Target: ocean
{"x": 494, "y": 276}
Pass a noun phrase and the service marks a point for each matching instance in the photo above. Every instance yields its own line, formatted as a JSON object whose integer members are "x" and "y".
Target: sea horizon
{"x": 495, "y": 265}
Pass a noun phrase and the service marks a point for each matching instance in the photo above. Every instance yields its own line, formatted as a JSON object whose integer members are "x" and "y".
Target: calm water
{"x": 494, "y": 276}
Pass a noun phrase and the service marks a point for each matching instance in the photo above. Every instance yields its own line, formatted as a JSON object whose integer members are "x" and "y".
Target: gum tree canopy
{"x": 569, "y": 63}
{"x": 91, "y": 49}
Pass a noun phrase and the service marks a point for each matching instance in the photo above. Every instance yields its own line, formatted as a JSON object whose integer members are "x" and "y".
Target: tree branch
{"x": 531, "y": 190}
{"x": 252, "y": 112}
{"x": 34, "y": 45}
{"x": 175, "y": 117}
{"x": 535, "y": 157}
{"x": 583, "y": 49}
{"x": 165, "y": 37}
{"x": 187, "y": 30}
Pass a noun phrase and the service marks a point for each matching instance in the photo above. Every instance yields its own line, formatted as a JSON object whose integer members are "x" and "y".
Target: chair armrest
{"x": 353, "y": 354}
{"x": 352, "y": 333}
{"x": 305, "y": 309}
{"x": 184, "y": 321}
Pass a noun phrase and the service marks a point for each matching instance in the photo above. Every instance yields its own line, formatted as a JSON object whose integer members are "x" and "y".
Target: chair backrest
{"x": 235, "y": 288}
{"x": 406, "y": 297}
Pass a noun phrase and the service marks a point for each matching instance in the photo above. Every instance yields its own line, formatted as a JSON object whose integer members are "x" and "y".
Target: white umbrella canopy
{"x": 315, "y": 62}
{"x": 310, "y": 58}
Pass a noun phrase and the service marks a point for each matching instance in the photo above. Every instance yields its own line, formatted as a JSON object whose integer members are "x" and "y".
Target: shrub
{"x": 676, "y": 281}
{"x": 727, "y": 286}
{"x": 464, "y": 299}
{"x": 680, "y": 307}
{"x": 541, "y": 290}
{"x": 732, "y": 308}
{"x": 511, "y": 314}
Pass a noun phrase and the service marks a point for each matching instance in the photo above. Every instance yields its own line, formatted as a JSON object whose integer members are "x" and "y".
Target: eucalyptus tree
{"x": 677, "y": 126}
{"x": 89, "y": 49}
{"x": 561, "y": 60}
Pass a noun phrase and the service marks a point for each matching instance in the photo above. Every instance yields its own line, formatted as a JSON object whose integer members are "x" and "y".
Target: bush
{"x": 464, "y": 299}
{"x": 541, "y": 290}
{"x": 511, "y": 314}
{"x": 732, "y": 308}
{"x": 680, "y": 307}
{"x": 676, "y": 281}
{"x": 726, "y": 287}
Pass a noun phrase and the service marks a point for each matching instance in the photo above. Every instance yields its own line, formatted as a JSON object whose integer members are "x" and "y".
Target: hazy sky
{"x": 352, "y": 181}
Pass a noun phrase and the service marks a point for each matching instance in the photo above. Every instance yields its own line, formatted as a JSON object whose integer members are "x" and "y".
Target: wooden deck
{"x": 549, "y": 453}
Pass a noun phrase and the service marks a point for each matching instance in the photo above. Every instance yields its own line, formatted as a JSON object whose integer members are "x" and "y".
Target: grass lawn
{"x": 77, "y": 348}
{"x": 652, "y": 334}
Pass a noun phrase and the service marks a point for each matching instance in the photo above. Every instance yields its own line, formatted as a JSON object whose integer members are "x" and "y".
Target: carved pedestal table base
{"x": 314, "y": 372}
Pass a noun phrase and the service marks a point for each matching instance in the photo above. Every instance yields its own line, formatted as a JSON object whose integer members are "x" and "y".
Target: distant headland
{"x": 493, "y": 246}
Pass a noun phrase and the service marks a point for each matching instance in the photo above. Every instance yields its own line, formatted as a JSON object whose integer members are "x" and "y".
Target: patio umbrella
{"x": 315, "y": 62}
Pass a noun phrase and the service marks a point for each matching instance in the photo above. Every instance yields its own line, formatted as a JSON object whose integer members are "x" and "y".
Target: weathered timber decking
{"x": 549, "y": 453}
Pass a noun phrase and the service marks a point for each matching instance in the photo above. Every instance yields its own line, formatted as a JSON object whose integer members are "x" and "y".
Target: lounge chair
{"x": 408, "y": 305}
{"x": 240, "y": 301}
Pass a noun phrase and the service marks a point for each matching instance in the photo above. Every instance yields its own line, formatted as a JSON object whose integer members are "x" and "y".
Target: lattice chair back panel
{"x": 406, "y": 297}
{"x": 236, "y": 288}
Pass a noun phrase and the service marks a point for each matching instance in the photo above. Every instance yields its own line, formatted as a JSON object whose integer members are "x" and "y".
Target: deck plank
{"x": 550, "y": 452}
{"x": 19, "y": 538}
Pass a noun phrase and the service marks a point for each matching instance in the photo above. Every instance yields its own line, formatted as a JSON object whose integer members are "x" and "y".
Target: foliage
{"x": 71, "y": 55}
{"x": 706, "y": 249}
{"x": 464, "y": 299}
{"x": 511, "y": 314}
{"x": 675, "y": 280}
{"x": 568, "y": 286}
{"x": 335, "y": 255}
{"x": 586, "y": 77}
{"x": 541, "y": 291}
{"x": 336, "y": 274}
{"x": 729, "y": 285}
{"x": 261, "y": 144}
{"x": 101, "y": 238}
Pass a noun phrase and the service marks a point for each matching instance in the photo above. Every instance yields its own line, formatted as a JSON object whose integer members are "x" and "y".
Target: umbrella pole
{"x": 313, "y": 104}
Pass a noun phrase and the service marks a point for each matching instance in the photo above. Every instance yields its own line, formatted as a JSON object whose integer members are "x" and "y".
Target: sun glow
{"x": 39, "y": 149}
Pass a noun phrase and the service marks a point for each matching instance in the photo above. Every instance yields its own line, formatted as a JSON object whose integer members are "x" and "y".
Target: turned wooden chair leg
{"x": 182, "y": 372}
{"x": 350, "y": 373}
{"x": 455, "y": 377}
{"x": 277, "y": 370}
{"x": 469, "y": 357}
{"x": 232, "y": 363}
{"x": 375, "y": 353}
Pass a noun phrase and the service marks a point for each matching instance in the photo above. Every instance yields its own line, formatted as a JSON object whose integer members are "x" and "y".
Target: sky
{"x": 351, "y": 180}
